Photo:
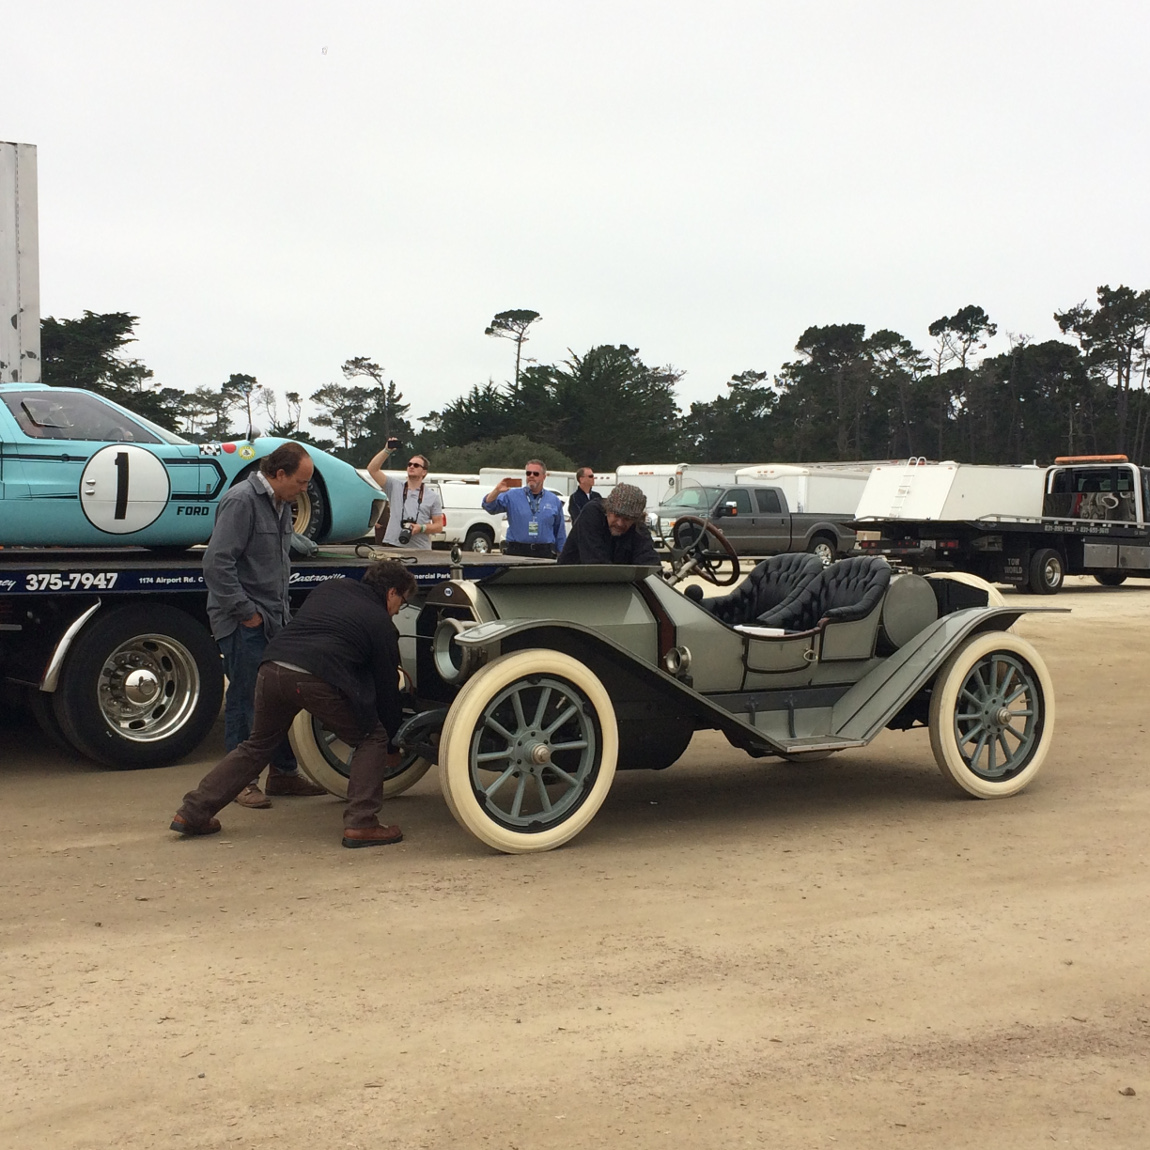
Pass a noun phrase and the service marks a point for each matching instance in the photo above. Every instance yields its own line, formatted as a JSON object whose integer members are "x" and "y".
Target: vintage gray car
{"x": 532, "y": 686}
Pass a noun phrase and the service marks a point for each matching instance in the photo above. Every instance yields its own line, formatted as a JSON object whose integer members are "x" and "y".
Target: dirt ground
{"x": 733, "y": 953}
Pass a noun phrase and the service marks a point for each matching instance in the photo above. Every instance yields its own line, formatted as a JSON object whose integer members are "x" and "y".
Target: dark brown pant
{"x": 280, "y": 696}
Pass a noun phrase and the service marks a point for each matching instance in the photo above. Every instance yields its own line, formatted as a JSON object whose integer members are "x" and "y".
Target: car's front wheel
{"x": 528, "y": 751}
{"x": 992, "y": 715}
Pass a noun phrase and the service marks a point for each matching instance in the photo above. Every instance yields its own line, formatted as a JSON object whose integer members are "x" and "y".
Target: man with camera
{"x": 415, "y": 510}
{"x": 535, "y": 524}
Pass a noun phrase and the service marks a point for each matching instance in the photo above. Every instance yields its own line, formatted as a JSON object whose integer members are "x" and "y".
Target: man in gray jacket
{"x": 246, "y": 569}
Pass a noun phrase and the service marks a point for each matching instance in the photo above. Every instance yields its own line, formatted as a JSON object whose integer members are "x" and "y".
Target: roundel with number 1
{"x": 124, "y": 488}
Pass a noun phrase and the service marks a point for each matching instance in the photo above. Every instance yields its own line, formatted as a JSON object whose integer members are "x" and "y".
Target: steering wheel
{"x": 694, "y": 552}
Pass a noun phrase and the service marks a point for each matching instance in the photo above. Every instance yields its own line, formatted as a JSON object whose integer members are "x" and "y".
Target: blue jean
{"x": 243, "y": 651}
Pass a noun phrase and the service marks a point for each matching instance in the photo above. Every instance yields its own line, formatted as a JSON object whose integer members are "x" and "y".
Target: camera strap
{"x": 418, "y": 502}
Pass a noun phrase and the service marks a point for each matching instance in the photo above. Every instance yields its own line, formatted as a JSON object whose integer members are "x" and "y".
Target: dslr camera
{"x": 404, "y": 536}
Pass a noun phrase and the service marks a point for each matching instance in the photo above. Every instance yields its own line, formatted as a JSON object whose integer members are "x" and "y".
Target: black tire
{"x": 643, "y": 747}
{"x": 1110, "y": 578}
{"x": 1046, "y": 572}
{"x": 824, "y": 547}
{"x": 40, "y": 708}
{"x": 118, "y": 722}
{"x": 309, "y": 512}
{"x": 480, "y": 540}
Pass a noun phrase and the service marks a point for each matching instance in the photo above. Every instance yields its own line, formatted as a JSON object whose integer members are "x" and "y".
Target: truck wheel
{"x": 326, "y": 760}
{"x": 141, "y": 687}
{"x": 479, "y": 540}
{"x": 823, "y": 546}
{"x": 1110, "y": 578}
{"x": 528, "y": 751}
{"x": 1046, "y": 572}
{"x": 992, "y": 715}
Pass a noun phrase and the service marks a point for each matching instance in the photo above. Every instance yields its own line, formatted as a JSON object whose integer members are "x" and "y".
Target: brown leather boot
{"x": 251, "y": 796}
{"x": 278, "y": 783}
{"x": 371, "y": 836}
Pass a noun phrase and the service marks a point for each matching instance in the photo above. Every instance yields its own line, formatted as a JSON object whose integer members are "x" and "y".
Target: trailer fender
{"x": 51, "y": 677}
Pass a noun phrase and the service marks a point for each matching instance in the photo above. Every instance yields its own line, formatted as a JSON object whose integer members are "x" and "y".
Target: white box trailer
{"x": 659, "y": 481}
{"x": 961, "y": 492}
{"x": 819, "y": 490}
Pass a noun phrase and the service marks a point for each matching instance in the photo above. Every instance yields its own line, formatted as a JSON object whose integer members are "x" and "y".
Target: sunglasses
{"x": 415, "y": 463}
{"x": 535, "y": 473}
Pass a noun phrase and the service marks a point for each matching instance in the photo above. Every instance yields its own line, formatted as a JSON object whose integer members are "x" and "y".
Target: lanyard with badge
{"x": 534, "y": 502}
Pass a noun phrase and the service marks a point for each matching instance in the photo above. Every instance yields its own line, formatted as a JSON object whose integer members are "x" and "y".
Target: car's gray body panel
{"x": 752, "y": 689}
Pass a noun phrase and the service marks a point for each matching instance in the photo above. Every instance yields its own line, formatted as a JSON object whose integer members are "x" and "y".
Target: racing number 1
{"x": 121, "y": 511}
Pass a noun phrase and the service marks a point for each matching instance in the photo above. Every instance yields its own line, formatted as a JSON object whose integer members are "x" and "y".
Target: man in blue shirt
{"x": 534, "y": 515}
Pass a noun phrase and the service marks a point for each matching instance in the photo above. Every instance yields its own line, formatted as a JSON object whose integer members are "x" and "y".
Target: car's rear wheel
{"x": 326, "y": 759}
{"x": 309, "y": 512}
{"x": 1110, "y": 578}
{"x": 140, "y": 687}
{"x": 479, "y": 540}
{"x": 992, "y": 715}
{"x": 528, "y": 751}
{"x": 823, "y": 547}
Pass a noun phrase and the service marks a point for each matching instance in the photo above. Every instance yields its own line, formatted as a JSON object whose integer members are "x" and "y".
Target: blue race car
{"x": 79, "y": 470}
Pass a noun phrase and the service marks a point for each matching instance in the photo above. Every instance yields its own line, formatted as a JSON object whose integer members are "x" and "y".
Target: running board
{"x": 818, "y": 743}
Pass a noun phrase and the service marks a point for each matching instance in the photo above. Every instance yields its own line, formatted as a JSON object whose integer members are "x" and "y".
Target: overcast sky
{"x": 275, "y": 187}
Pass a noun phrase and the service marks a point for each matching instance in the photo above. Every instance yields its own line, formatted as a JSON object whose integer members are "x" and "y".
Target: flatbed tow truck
{"x": 111, "y": 649}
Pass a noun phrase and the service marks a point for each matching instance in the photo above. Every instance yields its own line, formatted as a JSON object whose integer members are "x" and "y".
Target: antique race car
{"x": 532, "y": 686}
{"x": 77, "y": 469}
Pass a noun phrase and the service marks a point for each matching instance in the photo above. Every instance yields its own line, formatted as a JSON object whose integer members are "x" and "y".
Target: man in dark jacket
{"x": 583, "y": 494}
{"x": 339, "y": 659}
{"x": 611, "y": 530}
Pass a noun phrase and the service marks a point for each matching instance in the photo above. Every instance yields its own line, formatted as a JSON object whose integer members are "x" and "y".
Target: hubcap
{"x": 148, "y": 688}
{"x": 997, "y": 719}
{"x": 535, "y": 753}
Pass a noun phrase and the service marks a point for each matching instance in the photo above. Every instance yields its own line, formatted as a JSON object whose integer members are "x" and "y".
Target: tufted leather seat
{"x": 772, "y": 584}
{"x": 847, "y": 590}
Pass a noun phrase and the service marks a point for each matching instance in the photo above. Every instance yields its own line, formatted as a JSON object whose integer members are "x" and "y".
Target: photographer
{"x": 415, "y": 511}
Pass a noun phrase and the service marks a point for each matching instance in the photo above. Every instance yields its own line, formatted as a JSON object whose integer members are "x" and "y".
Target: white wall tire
{"x": 326, "y": 760}
{"x": 992, "y": 715}
{"x": 528, "y": 751}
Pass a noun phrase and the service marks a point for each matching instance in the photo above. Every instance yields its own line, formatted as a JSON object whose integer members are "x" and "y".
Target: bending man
{"x": 339, "y": 659}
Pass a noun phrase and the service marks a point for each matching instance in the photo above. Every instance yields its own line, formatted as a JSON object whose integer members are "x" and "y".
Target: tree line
{"x": 846, "y": 395}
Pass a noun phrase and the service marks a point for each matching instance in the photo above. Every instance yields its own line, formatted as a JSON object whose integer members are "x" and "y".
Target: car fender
{"x": 877, "y": 697}
{"x": 624, "y": 673}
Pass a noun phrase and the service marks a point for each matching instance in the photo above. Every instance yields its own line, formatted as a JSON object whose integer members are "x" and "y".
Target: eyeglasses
{"x": 535, "y": 473}
{"x": 416, "y": 463}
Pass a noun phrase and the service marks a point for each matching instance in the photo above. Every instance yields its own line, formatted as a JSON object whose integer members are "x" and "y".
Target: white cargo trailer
{"x": 820, "y": 490}
{"x": 958, "y": 491}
